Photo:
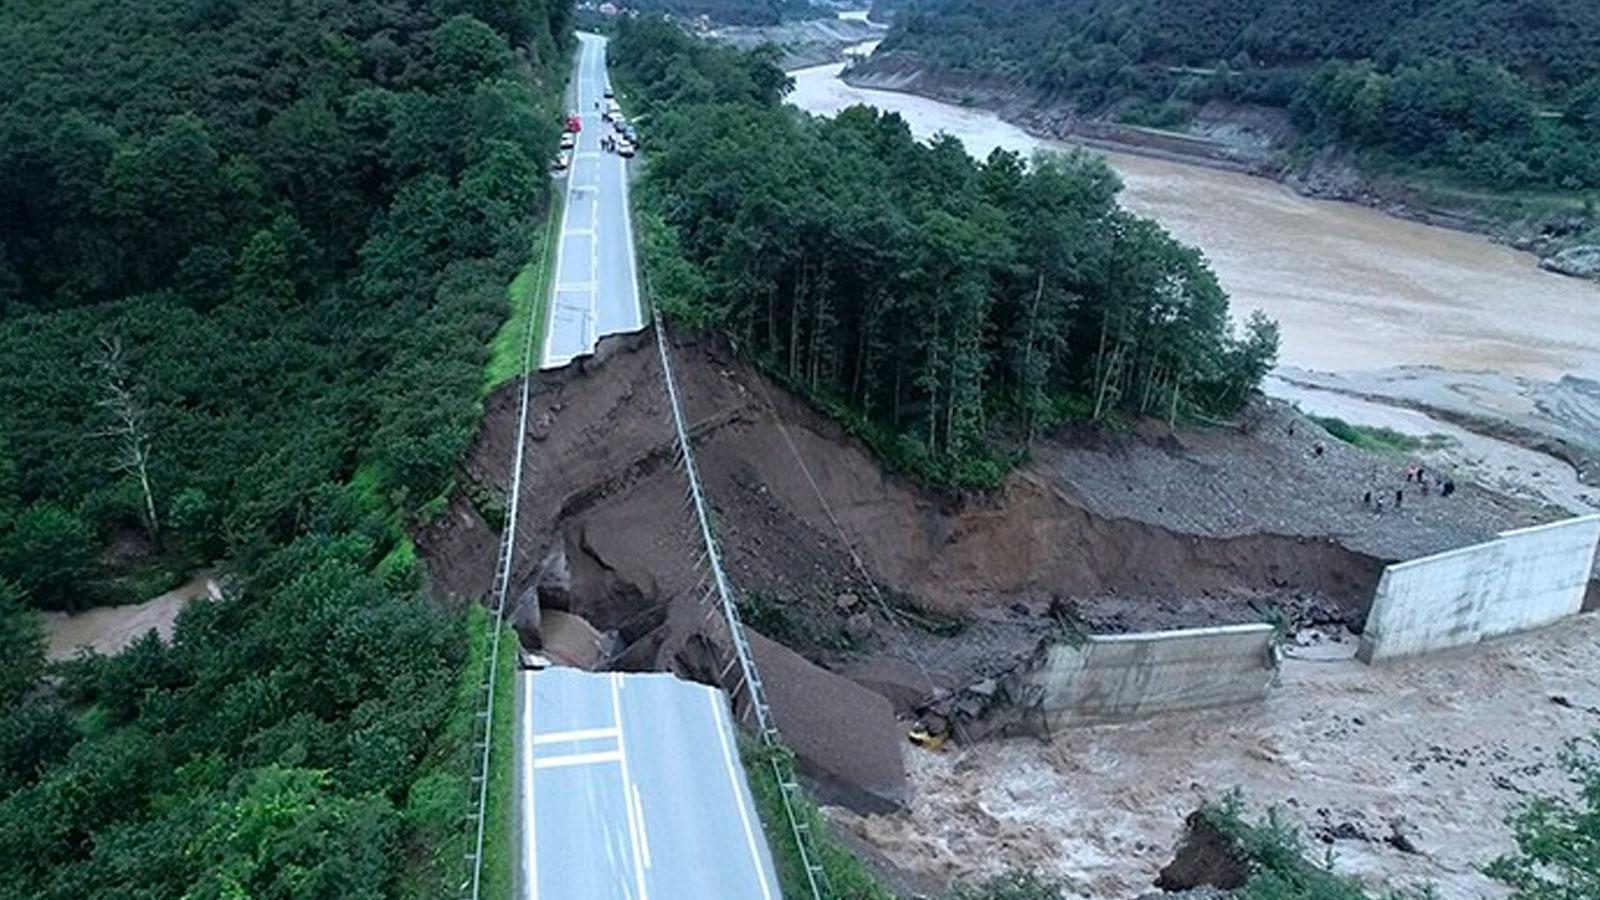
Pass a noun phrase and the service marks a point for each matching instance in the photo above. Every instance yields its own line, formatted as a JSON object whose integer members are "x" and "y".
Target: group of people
{"x": 1418, "y": 477}
{"x": 608, "y": 143}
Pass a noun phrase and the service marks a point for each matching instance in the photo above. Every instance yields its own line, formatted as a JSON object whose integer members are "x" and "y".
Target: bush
{"x": 1558, "y": 839}
{"x": 50, "y": 554}
{"x": 21, "y": 645}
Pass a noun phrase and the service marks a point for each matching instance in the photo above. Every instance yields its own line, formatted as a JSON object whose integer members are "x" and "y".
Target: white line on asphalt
{"x": 622, "y": 751}
{"x": 717, "y": 714}
{"x": 594, "y": 269}
{"x": 627, "y": 232}
{"x": 577, "y": 759}
{"x": 576, "y": 287}
{"x": 577, "y": 734}
{"x": 644, "y": 832}
{"x": 530, "y": 868}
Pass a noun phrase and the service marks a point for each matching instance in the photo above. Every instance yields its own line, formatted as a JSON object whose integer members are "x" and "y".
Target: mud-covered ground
{"x": 1267, "y": 476}
{"x": 1441, "y": 748}
{"x": 1138, "y": 530}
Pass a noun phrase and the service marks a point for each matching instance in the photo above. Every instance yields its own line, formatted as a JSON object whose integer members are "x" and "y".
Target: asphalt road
{"x": 630, "y": 788}
{"x": 595, "y": 291}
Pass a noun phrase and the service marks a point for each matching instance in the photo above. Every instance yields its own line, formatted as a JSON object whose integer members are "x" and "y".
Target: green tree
{"x": 466, "y": 51}
{"x": 21, "y": 645}
{"x": 290, "y": 835}
{"x": 49, "y": 553}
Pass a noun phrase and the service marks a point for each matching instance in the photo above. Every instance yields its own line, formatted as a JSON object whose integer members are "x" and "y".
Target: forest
{"x": 1500, "y": 93}
{"x": 251, "y": 259}
{"x": 948, "y": 310}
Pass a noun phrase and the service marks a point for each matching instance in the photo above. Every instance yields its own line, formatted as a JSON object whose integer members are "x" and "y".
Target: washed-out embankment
{"x": 1139, "y": 531}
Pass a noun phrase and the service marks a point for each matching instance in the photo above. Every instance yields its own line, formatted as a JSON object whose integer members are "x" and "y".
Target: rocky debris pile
{"x": 1267, "y": 476}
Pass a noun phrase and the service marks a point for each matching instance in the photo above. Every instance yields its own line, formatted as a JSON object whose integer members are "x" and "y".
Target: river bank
{"x": 1234, "y": 138}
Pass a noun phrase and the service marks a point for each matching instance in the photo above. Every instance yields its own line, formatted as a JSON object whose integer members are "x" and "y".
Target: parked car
{"x": 624, "y": 147}
{"x": 568, "y": 140}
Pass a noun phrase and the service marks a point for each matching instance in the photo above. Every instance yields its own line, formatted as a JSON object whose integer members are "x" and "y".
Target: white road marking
{"x": 577, "y": 759}
{"x": 622, "y": 751}
{"x": 530, "y": 868}
{"x": 717, "y": 714}
{"x": 644, "y": 832}
{"x": 578, "y": 734}
{"x": 627, "y": 231}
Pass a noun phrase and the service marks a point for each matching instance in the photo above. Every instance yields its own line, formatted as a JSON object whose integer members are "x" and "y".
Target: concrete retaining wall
{"x": 1115, "y": 677}
{"x": 1520, "y": 580}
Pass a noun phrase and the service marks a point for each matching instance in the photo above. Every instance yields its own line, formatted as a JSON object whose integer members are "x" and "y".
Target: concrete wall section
{"x": 1547, "y": 573}
{"x": 1116, "y": 677}
{"x": 1522, "y": 579}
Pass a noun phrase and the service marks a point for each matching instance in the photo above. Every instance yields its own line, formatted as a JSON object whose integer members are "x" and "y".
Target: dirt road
{"x": 1449, "y": 744}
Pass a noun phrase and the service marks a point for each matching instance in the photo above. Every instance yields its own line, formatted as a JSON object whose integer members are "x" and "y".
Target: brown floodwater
{"x": 1352, "y": 288}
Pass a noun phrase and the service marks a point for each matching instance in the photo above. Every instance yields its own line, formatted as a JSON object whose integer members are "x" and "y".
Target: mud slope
{"x": 603, "y": 501}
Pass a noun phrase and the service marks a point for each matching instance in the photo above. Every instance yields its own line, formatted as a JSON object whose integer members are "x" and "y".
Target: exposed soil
{"x": 1138, "y": 531}
{"x": 1266, "y": 476}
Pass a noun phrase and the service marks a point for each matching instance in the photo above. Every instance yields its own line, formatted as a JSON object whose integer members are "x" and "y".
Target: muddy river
{"x": 1353, "y": 289}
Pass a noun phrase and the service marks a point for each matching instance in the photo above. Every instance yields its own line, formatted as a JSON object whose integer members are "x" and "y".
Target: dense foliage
{"x": 935, "y": 302}
{"x": 1504, "y": 92}
{"x": 283, "y": 231}
{"x": 251, "y": 257}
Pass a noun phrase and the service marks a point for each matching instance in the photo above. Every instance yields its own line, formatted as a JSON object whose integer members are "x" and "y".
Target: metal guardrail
{"x": 505, "y": 562}
{"x": 750, "y": 675}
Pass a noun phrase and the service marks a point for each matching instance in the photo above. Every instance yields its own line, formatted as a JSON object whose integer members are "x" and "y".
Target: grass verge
{"x": 499, "y": 822}
{"x": 529, "y": 294}
{"x": 1377, "y": 440}
{"x": 444, "y": 792}
{"x": 847, "y": 877}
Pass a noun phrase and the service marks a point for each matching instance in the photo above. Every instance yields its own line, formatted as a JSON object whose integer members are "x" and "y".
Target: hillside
{"x": 1499, "y": 93}
{"x": 948, "y": 310}
{"x": 251, "y": 261}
